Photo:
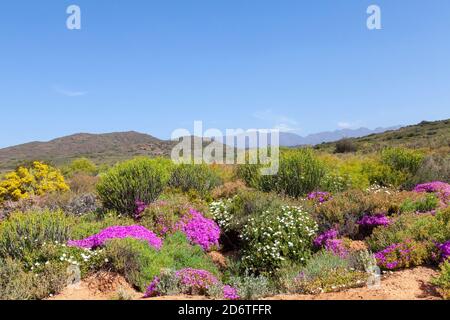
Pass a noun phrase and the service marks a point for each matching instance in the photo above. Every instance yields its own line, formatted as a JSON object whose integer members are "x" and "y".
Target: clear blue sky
{"x": 154, "y": 66}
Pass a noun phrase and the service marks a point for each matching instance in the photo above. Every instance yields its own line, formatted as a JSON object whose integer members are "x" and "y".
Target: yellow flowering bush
{"x": 39, "y": 179}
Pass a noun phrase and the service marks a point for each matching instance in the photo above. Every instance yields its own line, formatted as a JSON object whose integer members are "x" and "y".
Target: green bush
{"x": 443, "y": 280}
{"x": 23, "y": 232}
{"x": 429, "y": 203}
{"x": 276, "y": 236}
{"x": 252, "y": 287}
{"x": 200, "y": 178}
{"x": 19, "y": 284}
{"x": 300, "y": 172}
{"x": 140, "y": 263}
{"x": 324, "y": 272}
{"x": 140, "y": 179}
{"x": 80, "y": 166}
{"x": 421, "y": 228}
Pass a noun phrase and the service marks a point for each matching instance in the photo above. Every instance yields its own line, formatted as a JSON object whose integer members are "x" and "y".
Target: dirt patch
{"x": 410, "y": 284}
{"x": 100, "y": 286}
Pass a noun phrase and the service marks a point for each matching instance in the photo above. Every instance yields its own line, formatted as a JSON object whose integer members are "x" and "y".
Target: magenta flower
{"x": 321, "y": 239}
{"x": 118, "y": 232}
{"x": 444, "y": 249}
{"x": 320, "y": 196}
{"x": 441, "y": 189}
{"x": 337, "y": 247}
{"x": 376, "y": 220}
{"x": 152, "y": 289}
{"x": 230, "y": 293}
{"x": 396, "y": 256}
{"x": 200, "y": 230}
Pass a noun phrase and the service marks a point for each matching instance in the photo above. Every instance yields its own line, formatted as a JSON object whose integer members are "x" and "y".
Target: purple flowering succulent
{"x": 444, "y": 249}
{"x": 321, "y": 239}
{"x": 337, "y": 247}
{"x": 320, "y": 196}
{"x": 442, "y": 189}
{"x": 396, "y": 256}
{"x": 152, "y": 289}
{"x": 200, "y": 230}
{"x": 118, "y": 232}
{"x": 372, "y": 221}
{"x": 140, "y": 207}
{"x": 194, "y": 280}
{"x": 230, "y": 293}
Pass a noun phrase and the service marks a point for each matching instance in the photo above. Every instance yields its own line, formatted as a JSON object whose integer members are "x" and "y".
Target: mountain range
{"x": 112, "y": 147}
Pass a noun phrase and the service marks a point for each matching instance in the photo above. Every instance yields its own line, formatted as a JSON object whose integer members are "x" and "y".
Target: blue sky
{"x": 155, "y": 66}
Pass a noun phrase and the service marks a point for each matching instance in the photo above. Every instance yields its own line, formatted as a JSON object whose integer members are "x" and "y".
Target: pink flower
{"x": 118, "y": 232}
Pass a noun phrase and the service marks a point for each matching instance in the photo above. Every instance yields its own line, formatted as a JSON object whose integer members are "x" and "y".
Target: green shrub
{"x": 443, "y": 280}
{"x": 22, "y": 232}
{"x": 429, "y": 203}
{"x": 300, "y": 172}
{"x": 140, "y": 179}
{"x": 421, "y": 228}
{"x": 434, "y": 168}
{"x": 345, "y": 145}
{"x": 199, "y": 178}
{"x": 324, "y": 272}
{"x": 276, "y": 236}
{"x": 19, "y": 284}
{"x": 81, "y": 165}
{"x": 140, "y": 263}
{"x": 252, "y": 287}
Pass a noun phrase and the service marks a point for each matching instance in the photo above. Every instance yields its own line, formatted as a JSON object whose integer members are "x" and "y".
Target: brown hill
{"x": 101, "y": 148}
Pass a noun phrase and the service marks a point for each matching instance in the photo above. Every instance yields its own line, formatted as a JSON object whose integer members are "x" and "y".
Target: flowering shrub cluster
{"x": 322, "y": 238}
{"x": 200, "y": 230}
{"x": 401, "y": 255}
{"x": 329, "y": 240}
{"x": 39, "y": 179}
{"x": 187, "y": 281}
{"x": 118, "y": 232}
{"x": 320, "y": 197}
{"x": 440, "y": 188}
{"x": 274, "y": 237}
{"x": 230, "y": 293}
{"x": 221, "y": 214}
{"x": 444, "y": 249}
{"x": 372, "y": 221}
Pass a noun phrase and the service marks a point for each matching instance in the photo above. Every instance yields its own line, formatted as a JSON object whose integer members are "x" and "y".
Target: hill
{"x": 101, "y": 148}
{"x": 425, "y": 135}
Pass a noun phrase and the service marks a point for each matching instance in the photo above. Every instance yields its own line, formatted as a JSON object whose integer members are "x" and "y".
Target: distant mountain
{"x": 288, "y": 139}
{"x": 101, "y": 148}
{"x": 433, "y": 135}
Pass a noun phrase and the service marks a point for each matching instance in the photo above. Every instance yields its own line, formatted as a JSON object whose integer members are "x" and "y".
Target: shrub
{"x": 401, "y": 159}
{"x": 228, "y": 190}
{"x": 118, "y": 232}
{"x": 140, "y": 263}
{"x": 324, "y": 272}
{"x": 443, "y": 280}
{"x": 199, "y": 178}
{"x": 276, "y": 236}
{"x": 92, "y": 223}
{"x": 300, "y": 172}
{"x": 433, "y": 168}
{"x": 429, "y": 203}
{"x": 22, "y": 232}
{"x": 200, "y": 230}
{"x": 347, "y": 208}
{"x": 80, "y": 166}
{"x": 38, "y": 179}
{"x": 162, "y": 215}
{"x": 140, "y": 179}
{"x": 81, "y": 183}
{"x": 252, "y": 287}
{"x": 18, "y": 284}
{"x": 421, "y": 228}
{"x": 402, "y": 255}
{"x": 344, "y": 146}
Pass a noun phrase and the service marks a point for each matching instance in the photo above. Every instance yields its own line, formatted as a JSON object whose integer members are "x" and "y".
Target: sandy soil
{"x": 411, "y": 284}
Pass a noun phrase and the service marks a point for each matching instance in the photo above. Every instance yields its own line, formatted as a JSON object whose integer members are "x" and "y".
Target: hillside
{"x": 427, "y": 135}
{"x": 101, "y": 148}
